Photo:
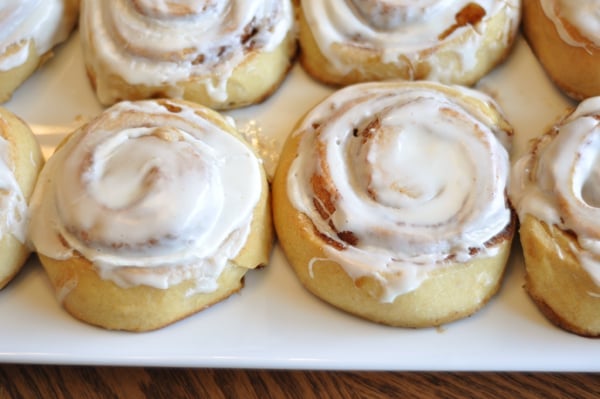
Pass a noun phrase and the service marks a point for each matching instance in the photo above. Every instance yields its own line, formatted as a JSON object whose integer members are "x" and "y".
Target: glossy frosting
{"x": 583, "y": 15}
{"x": 416, "y": 178}
{"x": 21, "y": 21}
{"x": 163, "y": 43}
{"x": 401, "y": 28}
{"x": 558, "y": 181}
{"x": 150, "y": 195}
{"x": 13, "y": 206}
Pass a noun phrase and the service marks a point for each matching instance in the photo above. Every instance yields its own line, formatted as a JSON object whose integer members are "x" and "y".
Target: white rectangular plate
{"x": 274, "y": 322}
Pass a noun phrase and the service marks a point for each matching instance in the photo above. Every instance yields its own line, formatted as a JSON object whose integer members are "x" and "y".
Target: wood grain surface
{"x": 30, "y": 381}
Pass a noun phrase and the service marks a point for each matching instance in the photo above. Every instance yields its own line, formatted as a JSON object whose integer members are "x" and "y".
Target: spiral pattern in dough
{"x": 412, "y": 33}
{"x": 162, "y": 44}
{"x": 152, "y": 192}
{"x": 557, "y": 181}
{"x": 400, "y": 178}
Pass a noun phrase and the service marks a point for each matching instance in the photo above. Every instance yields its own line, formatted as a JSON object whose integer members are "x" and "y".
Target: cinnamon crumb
{"x": 471, "y": 14}
{"x": 328, "y": 240}
{"x": 348, "y": 237}
{"x": 199, "y": 59}
{"x": 249, "y": 32}
{"x": 369, "y": 130}
{"x": 327, "y": 198}
{"x": 63, "y": 241}
{"x": 170, "y": 107}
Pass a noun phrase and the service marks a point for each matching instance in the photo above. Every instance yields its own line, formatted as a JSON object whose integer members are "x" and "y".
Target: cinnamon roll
{"x": 223, "y": 54}
{"x": 350, "y": 41}
{"x": 555, "y": 192}
{"x": 565, "y": 37}
{"x": 149, "y": 213}
{"x": 29, "y": 30}
{"x": 20, "y": 162}
{"x": 389, "y": 201}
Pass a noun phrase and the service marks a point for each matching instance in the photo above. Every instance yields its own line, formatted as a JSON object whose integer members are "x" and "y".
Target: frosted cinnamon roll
{"x": 149, "y": 213}
{"x": 223, "y": 54}
{"x": 555, "y": 190}
{"x": 565, "y": 37}
{"x": 349, "y": 41}
{"x": 20, "y": 162}
{"x": 389, "y": 201}
{"x": 29, "y": 30}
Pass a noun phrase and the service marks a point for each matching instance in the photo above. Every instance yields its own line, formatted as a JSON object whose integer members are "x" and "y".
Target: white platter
{"x": 274, "y": 322}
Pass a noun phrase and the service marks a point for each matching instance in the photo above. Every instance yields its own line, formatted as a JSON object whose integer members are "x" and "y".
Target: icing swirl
{"x": 406, "y": 29}
{"x": 557, "y": 181}
{"x": 151, "y": 192}
{"x": 402, "y": 178}
{"x": 162, "y": 43}
{"x": 43, "y": 22}
{"x": 576, "y": 21}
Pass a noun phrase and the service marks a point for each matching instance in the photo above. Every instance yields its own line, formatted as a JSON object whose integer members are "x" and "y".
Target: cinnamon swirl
{"x": 389, "y": 201}
{"x": 20, "y": 162}
{"x": 350, "y": 41}
{"x": 29, "y": 30}
{"x": 151, "y": 212}
{"x": 565, "y": 37}
{"x": 555, "y": 192}
{"x": 223, "y": 54}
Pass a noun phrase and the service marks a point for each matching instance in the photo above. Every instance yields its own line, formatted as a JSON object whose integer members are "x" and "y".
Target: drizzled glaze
{"x": 164, "y": 43}
{"x": 152, "y": 193}
{"x": 402, "y": 28}
{"x": 417, "y": 178}
{"x": 13, "y": 206}
{"x": 584, "y": 15}
{"x": 41, "y": 21}
{"x": 557, "y": 182}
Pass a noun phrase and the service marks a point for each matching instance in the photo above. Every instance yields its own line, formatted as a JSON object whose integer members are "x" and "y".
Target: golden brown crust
{"x": 368, "y": 65}
{"x": 579, "y": 79}
{"x": 89, "y": 298}
{"x": 251, "y": 82}
{"x": 12, "y": 78}
{"x": 100, "y": 302}
{"x": 451, "y": 293}
{"x": 97, "y": 301}
{"x": 563, "y": 291}
{"x": 27, "y": 158}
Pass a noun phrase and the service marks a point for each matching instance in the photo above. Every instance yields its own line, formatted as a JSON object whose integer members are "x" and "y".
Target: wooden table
{"x": 31, "y": 381}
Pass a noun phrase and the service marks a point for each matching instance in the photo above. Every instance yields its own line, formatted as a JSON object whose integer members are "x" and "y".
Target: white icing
{"x": 558, "y": 182}
{"x": 152, "y": 44}
{"x": 13, "y": 206}
{"x": 21, "y": 21}
{"x": 427, "y": 186}
{"x": 583, "y": 15}
{"x": 166, "y": 198}
{"x": 403, "y": 29}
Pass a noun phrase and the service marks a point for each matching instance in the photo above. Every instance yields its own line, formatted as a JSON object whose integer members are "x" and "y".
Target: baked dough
{"x": 223, "y": 54}
{"x": 555, "y": 191}
{"x": 149, "y": 213}
{"x": 20, "y": 162}
{"x": 565, "y": 37}
{"x": 29, "y": 30}
{"x": 389, "y": 201}
{"x": 350, "y": 41}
